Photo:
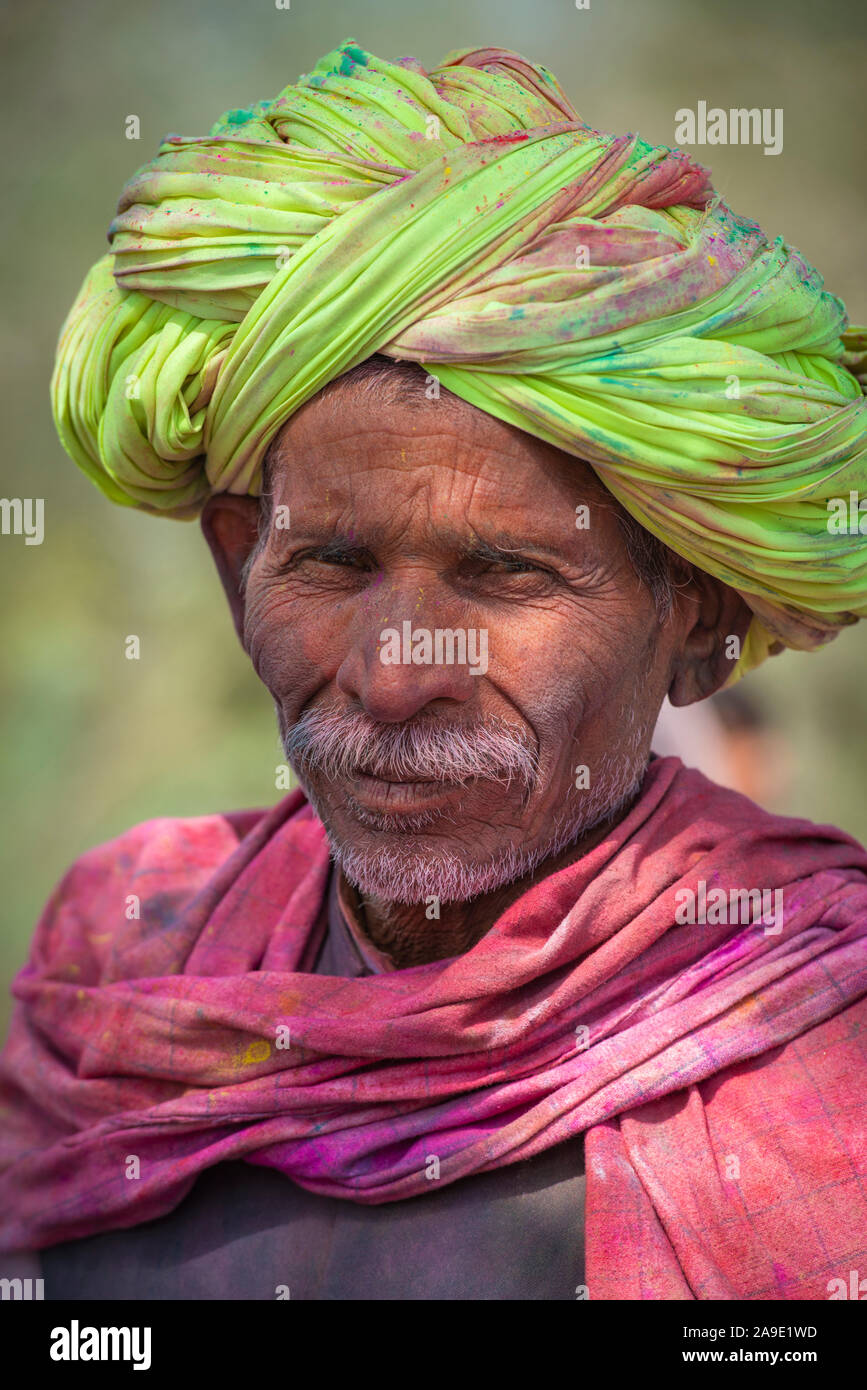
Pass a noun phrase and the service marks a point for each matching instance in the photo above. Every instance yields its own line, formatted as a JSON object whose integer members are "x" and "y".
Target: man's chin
{"x": 410, "y": 856}
{"x": 414, "y": 869}
{"x": 412, "y": 874}
{"x": 398, "y": 858}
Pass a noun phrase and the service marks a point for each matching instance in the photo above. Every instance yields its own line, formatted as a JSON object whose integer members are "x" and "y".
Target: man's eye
{"x": 509, "y": 565}
{"x": 343, "y": 559}
{"x": 521, "y": 567}
{"x": 347, "y": 561}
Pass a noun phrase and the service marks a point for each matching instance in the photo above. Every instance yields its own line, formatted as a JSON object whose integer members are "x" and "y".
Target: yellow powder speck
{"x": 258, "y": 1051}
{"x": 711, "y": 260}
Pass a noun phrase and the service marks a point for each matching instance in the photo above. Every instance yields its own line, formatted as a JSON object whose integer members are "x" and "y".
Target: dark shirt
{"x": 245, "y": 1232}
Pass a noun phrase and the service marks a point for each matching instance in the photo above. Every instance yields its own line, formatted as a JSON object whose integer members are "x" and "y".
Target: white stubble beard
{"x": 410, "y": 868}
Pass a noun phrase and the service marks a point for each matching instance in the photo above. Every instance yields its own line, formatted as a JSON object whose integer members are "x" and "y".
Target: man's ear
{"x": 709, "y": 655}
{"x": 231, "y": 527}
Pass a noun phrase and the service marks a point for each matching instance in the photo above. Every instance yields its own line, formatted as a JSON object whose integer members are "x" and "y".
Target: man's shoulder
{"x": 164, "y": 844}
{"x": 149, "y": 871}
{"x": 699, "y": 801}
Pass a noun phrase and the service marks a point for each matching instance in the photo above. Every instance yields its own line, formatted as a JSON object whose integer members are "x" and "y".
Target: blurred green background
{"x": 95, "y": 742}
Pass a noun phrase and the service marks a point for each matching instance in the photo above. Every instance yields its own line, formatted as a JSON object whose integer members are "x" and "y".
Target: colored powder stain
{"x": 238, "y": 117}
{"x": 517, "y": 314}
{"x": 347, "y": 65}
{"x": 711, "y": 260}
{"x": 749, "y": 1004}
{"x": 258, "y": 1051}
{"x": 781, "y": 1277}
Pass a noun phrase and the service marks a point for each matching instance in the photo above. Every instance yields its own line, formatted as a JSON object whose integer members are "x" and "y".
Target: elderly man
{"x": 501, "y": 430}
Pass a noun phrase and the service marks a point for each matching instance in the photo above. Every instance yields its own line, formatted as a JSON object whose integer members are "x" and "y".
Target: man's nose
{"x": 379, "y": 671}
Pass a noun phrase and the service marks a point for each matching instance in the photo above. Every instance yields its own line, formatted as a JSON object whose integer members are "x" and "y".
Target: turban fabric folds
{"x": 588, "y": 288}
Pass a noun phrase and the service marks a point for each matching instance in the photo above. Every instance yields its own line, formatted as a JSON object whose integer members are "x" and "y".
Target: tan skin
{"x": 412, "y": 489}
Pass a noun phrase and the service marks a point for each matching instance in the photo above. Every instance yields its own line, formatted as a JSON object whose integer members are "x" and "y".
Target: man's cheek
{"x": 547, "y": 661}
{"x": 288, "y": 650}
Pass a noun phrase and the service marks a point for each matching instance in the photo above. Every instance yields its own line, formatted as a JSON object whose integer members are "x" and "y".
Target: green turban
{"x": 588, "y": 288}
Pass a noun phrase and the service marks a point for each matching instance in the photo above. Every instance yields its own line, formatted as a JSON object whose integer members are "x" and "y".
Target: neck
{"x": 404, "y": 933}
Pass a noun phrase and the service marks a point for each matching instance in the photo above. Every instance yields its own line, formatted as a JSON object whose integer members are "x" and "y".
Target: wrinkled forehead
{"x": 390, "y": 433}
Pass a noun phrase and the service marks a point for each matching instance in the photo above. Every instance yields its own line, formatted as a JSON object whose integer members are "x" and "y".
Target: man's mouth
{"x": 400, "y": 794}
{"x": 395, "y": 778}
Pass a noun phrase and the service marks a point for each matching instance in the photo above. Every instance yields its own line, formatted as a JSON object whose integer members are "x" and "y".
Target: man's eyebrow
{"x": 500, "y": 543}
{"x": 481, "y": 549}
{"x": 333, "y": 544}
{"x": 328, "y": 541}
{"x": 339, "y": 547}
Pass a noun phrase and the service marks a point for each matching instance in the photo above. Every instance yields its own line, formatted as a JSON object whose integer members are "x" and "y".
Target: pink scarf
{"x": 162, "y": 1037}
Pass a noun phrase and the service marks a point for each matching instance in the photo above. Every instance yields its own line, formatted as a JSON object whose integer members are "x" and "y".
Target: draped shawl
{"x": 713, "y": 1068}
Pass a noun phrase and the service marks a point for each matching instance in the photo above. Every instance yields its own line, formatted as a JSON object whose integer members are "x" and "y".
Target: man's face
{"x": 435, "y": 778}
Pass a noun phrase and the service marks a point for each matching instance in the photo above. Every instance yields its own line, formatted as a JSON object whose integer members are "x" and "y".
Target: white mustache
{"x": 341, "y": 745}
